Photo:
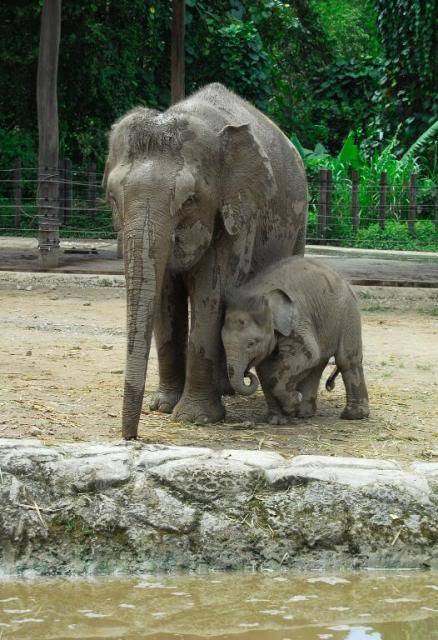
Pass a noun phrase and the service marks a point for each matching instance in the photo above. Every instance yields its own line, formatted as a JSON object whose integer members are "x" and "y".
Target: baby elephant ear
{"x": 247, "y": 181}
{"x": 282, "y": 308}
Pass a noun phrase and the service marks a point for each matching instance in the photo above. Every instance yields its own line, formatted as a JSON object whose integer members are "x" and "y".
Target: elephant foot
{"x": 164, "y": 401}
{"x": 306, "y": 409}
{"x": 276, "y": 419}
{"x": 199, "y": 411}
{"x": 355, "y": 412}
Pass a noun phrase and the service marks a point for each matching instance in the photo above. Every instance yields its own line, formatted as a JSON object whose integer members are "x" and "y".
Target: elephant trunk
{"x": 237, "y": 375}
{"x": 146, "y": 251}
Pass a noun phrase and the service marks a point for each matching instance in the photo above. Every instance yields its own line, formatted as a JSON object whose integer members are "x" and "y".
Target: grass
{"x": 429, "y": 312}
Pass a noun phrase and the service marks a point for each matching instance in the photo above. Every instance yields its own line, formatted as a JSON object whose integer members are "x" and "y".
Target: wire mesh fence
{"x": 343, "y": 211}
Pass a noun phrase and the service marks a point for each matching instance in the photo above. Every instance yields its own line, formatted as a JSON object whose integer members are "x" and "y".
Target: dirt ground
{"x": 62, "y": 354}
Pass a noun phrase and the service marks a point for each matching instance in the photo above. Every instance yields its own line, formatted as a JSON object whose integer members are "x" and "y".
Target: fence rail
{"x": 342, "y": 210}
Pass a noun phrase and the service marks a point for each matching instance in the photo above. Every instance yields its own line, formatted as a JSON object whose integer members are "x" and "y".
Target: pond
{"x": 372, "y": 605}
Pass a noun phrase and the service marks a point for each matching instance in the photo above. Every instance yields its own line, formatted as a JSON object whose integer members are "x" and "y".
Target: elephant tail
{"x": 330, "y": 384}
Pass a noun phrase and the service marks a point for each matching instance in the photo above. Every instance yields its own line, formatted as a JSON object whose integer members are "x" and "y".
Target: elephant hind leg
{"x": 349, "y": 361}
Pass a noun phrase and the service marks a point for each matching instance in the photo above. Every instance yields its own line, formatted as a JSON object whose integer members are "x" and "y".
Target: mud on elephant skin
{"x": 205, "y": 194}
{"x": 287, "y": 322}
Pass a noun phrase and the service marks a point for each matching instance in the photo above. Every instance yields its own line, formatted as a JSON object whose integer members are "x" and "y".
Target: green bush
{"x": 396, "y": 236}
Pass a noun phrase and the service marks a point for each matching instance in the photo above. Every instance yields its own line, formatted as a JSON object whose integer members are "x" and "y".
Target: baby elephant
{"x": 287, "y": 322}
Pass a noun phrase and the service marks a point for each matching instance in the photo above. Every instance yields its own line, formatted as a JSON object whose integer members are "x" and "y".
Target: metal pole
{"x": 177, "y": 74}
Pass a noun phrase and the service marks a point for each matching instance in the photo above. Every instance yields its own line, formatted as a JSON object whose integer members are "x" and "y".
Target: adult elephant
{"x": 206, "y": 193}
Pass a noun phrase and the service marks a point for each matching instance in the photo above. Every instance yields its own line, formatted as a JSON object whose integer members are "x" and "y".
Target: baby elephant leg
{"x": 357, "y": 394}
{"x": 274, "y": 414}
{"x": 351, "y": 369}
{"x": 308, "y": 387}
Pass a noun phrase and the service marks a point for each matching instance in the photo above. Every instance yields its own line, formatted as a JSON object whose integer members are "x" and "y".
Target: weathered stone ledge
{"x": 127, "y": 507}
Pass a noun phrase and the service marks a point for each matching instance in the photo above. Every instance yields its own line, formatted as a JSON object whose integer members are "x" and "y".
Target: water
{"x": 361, "y": 606}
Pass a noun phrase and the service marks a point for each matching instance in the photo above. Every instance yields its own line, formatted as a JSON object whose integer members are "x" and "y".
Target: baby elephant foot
{"x": 164, "y": 401}
{"x": 306, "y": 409}
{"x": 198, "y": 411}
{"x": 290, "y": 404}
{"x": 355, "y": 412}
{"x": 276, "y": 418}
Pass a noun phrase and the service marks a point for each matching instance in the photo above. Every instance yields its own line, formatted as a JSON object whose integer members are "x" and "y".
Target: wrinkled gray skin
{"x": 287, "y": 322}
{"x": 205, "y": 193}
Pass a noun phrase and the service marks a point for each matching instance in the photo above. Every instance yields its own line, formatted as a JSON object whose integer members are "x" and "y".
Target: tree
{"x": 47, "y": 104}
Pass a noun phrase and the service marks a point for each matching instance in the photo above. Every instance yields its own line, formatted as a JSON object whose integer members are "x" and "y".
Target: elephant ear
{"x": 247, "y": 179}
{"x": 283, "y": 311}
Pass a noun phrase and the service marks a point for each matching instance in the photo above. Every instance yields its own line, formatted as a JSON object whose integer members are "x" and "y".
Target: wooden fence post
{"x": 412, "y": 203}
{"x": 92, "y": 192}
{"x": 383, "y": 193}
{"x": 355, "y": 200}
{"x": 328, "y": 202}
{"x": 322, "y": 203}
{"x": 17, "y": 192}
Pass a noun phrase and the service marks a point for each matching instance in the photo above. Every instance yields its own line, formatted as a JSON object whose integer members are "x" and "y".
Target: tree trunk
{"x": 47, "y": 106}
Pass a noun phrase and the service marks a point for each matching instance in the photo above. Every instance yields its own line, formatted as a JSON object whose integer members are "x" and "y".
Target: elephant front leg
{"x": 170, "y": 332}
{"x": 201, "y": 400}
{"x": 308, "y": 387}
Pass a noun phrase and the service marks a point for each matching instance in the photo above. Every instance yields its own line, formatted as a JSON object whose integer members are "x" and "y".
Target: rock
{"x": 161, "y": 510}
{"x": 86, "y": 304}
{"x": 353, "y": 476}
{"x": 94, "y": 472}
{"x": 152, "y": 458}
{"x": 29, "y": 352}
{"x": 428, "y": 469}
{"x": 29, "y": 288}
{"x": 344, "y": 462}
{"x": 107, "y": 347}
{"x": 128, "y": 507}
{"x": 35, "y": 431}
{"x": 260, "y": 459}
{"x": 209, "y": 479}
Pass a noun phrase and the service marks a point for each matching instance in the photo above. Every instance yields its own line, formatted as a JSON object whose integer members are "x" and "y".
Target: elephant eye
{"x": 190, "y": 200}
{"x": 251, "y": 343}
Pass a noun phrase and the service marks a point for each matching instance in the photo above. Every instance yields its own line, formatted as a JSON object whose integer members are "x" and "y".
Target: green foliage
{"x": 396, "y": 236}
{"x": 408, "y": 82}
{"x": 423, "y": 141}
{"x": 351, "y": 27}
{"x": 16, "y": 144}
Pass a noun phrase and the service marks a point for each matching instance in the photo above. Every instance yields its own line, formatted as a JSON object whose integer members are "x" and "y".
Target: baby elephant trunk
{"x": 237, "y": 375}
